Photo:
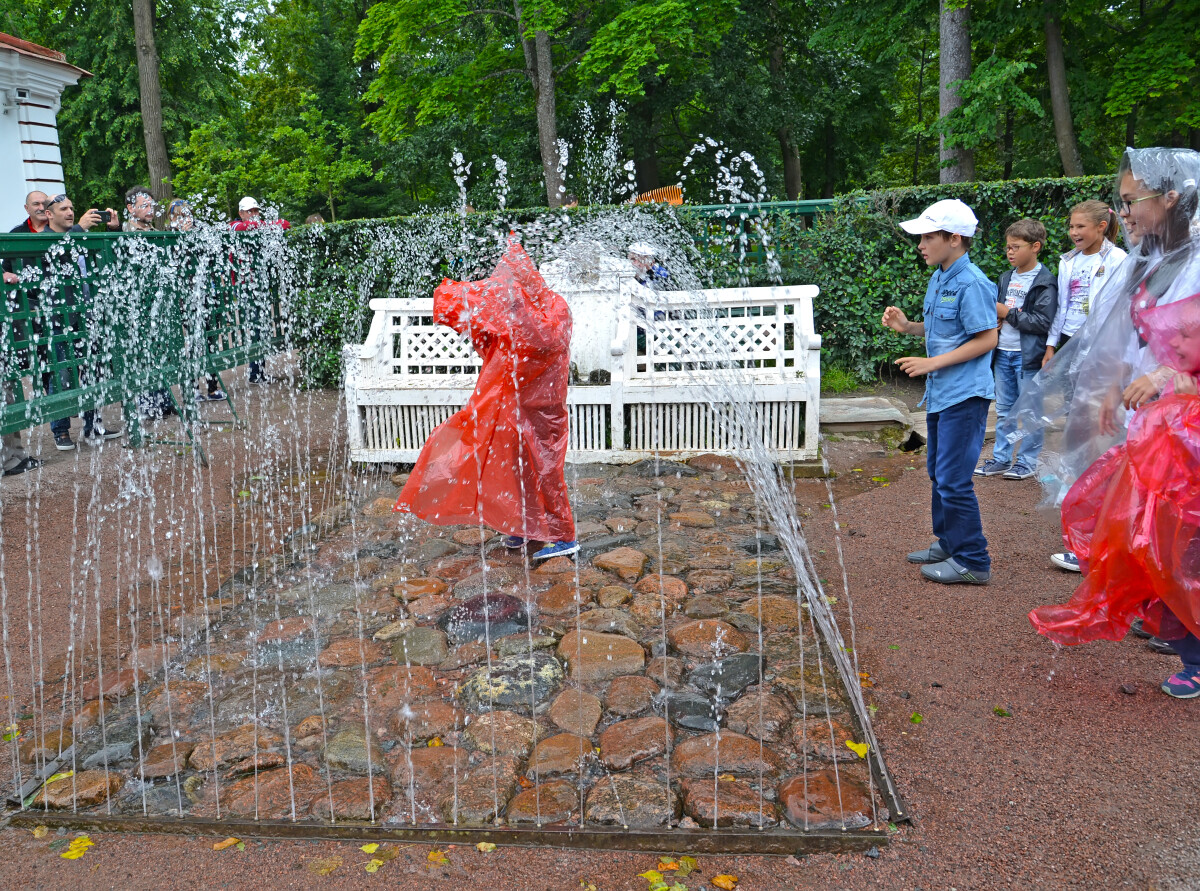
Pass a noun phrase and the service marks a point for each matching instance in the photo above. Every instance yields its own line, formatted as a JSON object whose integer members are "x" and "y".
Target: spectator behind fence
{"x": 250, "y": 217}
{"x": 61, "y": 219}
{"x": 314, "y": 219}
{"x": 179, "y": 216}
{"x": 139, "y": 210}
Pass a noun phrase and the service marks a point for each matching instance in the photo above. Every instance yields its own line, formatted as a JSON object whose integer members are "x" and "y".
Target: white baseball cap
{"x": 949, "y": 215}
{"x": 642, "y": 249}
{"x": 247, "y": 203}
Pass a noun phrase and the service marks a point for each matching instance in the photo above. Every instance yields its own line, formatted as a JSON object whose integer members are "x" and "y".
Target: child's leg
{"x": 1030, "y": 445}
{"x": 1008, "y": 388}
{"x": 931, "y": 456}
{"x": 960, "y": 433}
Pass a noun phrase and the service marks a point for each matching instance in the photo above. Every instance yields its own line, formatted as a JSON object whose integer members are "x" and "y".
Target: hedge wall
{"x": 856, "y": 253}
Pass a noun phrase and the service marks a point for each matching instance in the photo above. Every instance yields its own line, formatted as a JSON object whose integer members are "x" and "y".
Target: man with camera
{"x": 139, "y": 210}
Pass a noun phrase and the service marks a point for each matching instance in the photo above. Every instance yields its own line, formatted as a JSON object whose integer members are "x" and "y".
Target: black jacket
{"x": 1034, "y": 319}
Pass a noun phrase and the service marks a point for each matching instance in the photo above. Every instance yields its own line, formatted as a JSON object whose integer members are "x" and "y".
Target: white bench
{"x": 671, "y": 378}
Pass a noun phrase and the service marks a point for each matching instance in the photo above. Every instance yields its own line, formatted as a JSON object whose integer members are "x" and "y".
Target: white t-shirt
{"x": 1014, "y": 298}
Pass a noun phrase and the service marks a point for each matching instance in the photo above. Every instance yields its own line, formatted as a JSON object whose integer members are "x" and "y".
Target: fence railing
{"x": 98, "y": 318}
{"x": 739, "y": 228}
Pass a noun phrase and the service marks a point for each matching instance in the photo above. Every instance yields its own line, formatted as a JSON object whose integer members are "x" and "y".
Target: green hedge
{"x": 856, "y": 253}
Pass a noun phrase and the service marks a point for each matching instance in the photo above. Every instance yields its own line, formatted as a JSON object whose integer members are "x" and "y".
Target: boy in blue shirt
{"x": 960, "y": 330}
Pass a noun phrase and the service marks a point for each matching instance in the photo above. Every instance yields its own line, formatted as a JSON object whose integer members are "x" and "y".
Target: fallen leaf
{"x": 872, "y": 708}
{"x": 374, "y": 865}
{"x": 60, "y": 776}
{"x": 369, "y": 849}
{"x": 41, "y": 831}
{"x": 77, "y": 848}
{"x": 11, "y": 732}
{"x": 879, "y": 479}
{"x": 725, "y": 882}
{"x": 726, "y": 777}
{"x": 687, "y": 865}
{"x": 893, "y": 646}
{"x": 667, "y": 865}
{"x": 485, "y": 847}
{"x": 438, "y": 858}
{"x": 243, "y": 494}
{"x": 857, "y": 470}
{"x": 587, "y": 886}
{"x": 387, "y": 854}
{"x": 525, "y": 782}
{"x": 1001, "y": 712}
{"x": 241, "y": 846}
{"x": 859, "y": 749}
{"x": 916, "y": 718}
{"x": 324, "y": 866}
{"x": 228, "y": 843}
{"x": 435, "y": 743}
{"x": 651, "y": 875}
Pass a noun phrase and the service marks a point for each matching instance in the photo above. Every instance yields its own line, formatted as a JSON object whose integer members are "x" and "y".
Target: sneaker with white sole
{"x": 1019, "y": 472}
{"x": 1066, "y": 560}
{"x": 557, "y": 549}
{"x": 1183, "y": 684}
{"x": 99, "y": 433}
{"x": 63, "y": 442}
{"x": 514, "y": 542}
{"x": 992, "y": 467}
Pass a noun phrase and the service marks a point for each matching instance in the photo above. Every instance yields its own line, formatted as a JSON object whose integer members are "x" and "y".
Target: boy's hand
{"x": 1108, "y": 411}
{"x": 894, "y": 318}
{"x": 915, "y": 366}
{"x": 1139, "y": 392}
{"x": 1049, "y": 355}
{"x": 1002, "y": 311}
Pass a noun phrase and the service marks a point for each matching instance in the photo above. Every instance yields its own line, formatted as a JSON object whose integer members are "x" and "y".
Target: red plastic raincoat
{"x": 499, "y": 461}
{"x": 1133, "y": 518}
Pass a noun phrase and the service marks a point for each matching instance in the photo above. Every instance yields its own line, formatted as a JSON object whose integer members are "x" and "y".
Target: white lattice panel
{"x": 701, "y": 427}
{"x": 421, "y": 347}
{"x": 748, "y": 337}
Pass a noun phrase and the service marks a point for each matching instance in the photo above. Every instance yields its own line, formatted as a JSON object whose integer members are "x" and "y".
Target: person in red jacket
{"x": 499, "y": 461}
{"x": 250, "y": 217}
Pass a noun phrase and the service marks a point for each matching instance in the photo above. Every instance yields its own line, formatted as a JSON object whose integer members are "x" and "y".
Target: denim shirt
{"x": 959, "y": 303}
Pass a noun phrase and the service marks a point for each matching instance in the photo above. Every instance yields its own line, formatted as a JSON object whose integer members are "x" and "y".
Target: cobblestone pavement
{"x": 383, "y": 668}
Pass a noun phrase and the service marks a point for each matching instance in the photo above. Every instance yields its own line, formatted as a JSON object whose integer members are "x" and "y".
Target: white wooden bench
{"x": 671, "y": 377}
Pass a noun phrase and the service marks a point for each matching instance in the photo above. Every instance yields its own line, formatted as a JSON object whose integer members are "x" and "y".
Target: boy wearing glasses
{"x": 1026, "y": 304}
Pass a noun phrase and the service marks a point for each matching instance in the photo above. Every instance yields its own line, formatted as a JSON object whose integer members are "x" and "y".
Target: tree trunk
{"x": 787, "y": 144}
{"x": 1007, "y": 146}
{"x": 954, "y": 51}
{"x": 643, "y": 137}
{"x": 539, "y": 67}
{"x": 916, "y": 176}
{"x": 1060, "y": 98}
{"x": 150, "y": 91}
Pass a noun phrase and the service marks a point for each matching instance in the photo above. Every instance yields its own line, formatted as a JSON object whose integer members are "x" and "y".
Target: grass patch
{"x": 837, "y": 379}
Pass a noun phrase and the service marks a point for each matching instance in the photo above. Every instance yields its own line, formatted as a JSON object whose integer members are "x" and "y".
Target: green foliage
{"x": 836, "y": 379}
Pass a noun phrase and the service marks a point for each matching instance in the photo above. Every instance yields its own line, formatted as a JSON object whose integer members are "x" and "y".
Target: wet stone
{"x": 515, "y": 682}
{"x": 357, "y": 570}
{"x": 426, "y": 769}
{"x": 285, "y": 629}
{"x": 482, "y": 793}
{"x": 809, "y": 691}
{"x": 430, "y": 607}
{"x": 759, "y": 715}
{"x": 576, "y": 712}
{"x": 709, "y": 581}
{"x": 758, "y": 566}
{"x": 350, "y": 651}
{"x": 502, "y": 733}
{"x": 473, "y": 537}
{"x": 621, "y": 524}
{"x": 421, "y": 646}
{"x": 233, "y": 746}
{"x": 595, "y": 656}
{"x": 559, "y": 754}
{"x": 556, "y": 566}
{"x": 814, "y": 738}
{"x": 349, "y": 751}
{"x": 110, "y": 756}
{"x": 630, "y": 695}
{"x": 727, "y": 803}
{"x": 732, "y": 753}
{"x": 269, "y": 795}
{"x": 493, "y": 615}
{"x": 554, "y": 802}
{"x": 468, "y": 654}
{"x": 666, "y": 671}
{"x": 393, "y": 686}
{"x": 611, "y": 596}
{"x": 609, "y": 621}
{"x": 393, "y": 630}
{"x": 743, "y": 622}
{"x": 165, "y": 760}
{"x": 777, "y": 613}
{"x": 690, "y": 711}
{"x": 825, "y": 800}
{"x": 434, "y": 548}
{"x": 653, "y": 467}
{"x": 631, "y": 802}
{"x": 362, "y": 798}
{"x": 260, "y": 762}
{"x": 425, "y": 720}
{"x": 707, "y": 638}
{"x": 762, "y": 543}
{"x": 516, "y": 644}
{"x": 562, "y": 599}
{"x": 694, "y": 518}
{"x": 648, "y": 610}
{"x": 379, "y": 508}
{"x": 627, "y": 563}
{"x": 727, "y": 677}
{"x": 45, "y": 747}
{"x": 112, "y": 686}
{"x": 496, "y": 580}
{"x": 705, "y": 607}
{"x": 634, "y": 740}
{"x": 83, "y": 789}
{"x": 414, "y": 589}
{"x": 668, "y": 586}
{"x": 310, "y": 725}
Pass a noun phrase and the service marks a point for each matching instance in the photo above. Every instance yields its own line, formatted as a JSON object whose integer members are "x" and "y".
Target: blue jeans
{"x": 955, "y": 440}
{"x": 1010, "y": 381}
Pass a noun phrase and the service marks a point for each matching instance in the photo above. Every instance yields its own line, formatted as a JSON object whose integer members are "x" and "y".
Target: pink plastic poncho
{"x": 499, "y": 461}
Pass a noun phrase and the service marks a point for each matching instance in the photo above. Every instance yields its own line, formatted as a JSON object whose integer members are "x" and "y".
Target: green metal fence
{"x": 103, "y": 318}
{"x": 739, "y": 228}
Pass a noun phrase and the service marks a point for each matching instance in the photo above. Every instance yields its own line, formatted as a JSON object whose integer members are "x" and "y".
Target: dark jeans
{"x": 955, "y": 440}
{"x": 59, "y": 382}
{"x": 1187, "y": 646}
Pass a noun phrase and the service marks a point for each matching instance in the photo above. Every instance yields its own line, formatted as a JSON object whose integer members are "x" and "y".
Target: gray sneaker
{"x": 992, "y": 467}
{"x": 951, "y": 572}
{"x": 1019, "y": 472}
{"x": 932, "y": 554}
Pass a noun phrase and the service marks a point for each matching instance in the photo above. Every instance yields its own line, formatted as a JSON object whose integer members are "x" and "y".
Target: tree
{"x": 1060, "y": 99}
{"x": 150, "y": 95}
{"x": 954, "y": 50}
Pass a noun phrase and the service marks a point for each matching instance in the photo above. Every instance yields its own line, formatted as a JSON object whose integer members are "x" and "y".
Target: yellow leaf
{"x": 725, "y": 882}
{"x": 726, "y": 777}
{"x": 73, "y": 853}
{"x": 437, "y": 858}
{"x": 664, "y": 865}
{"x": 228, "y": 843}
{"x": 485, "y": 847}
{"x": 60, "y": 776}
{"x": 651, "y": 876}
{"x": 687, "y": 865}
{"x": 369, "y": 849}
{"x": 435, "y": 743}
{"x": 373, "y": 866}
{"x": 859, "y": 749}
{"x": 324, "y": 866}
{"x": 41, "y": 831}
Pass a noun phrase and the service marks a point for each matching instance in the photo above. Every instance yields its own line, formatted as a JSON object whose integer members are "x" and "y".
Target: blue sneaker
{"x": 514, "y": 542}
{"x": 1019, "y": 472}
{"x": 557, "y": 549}
{"x": 1066, "y": 560}
{"x": 1183, "y": 684}
{"x": 992, "y": 467}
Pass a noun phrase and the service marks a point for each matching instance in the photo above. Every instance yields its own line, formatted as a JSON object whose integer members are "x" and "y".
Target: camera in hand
{"x": 105, "y": 216}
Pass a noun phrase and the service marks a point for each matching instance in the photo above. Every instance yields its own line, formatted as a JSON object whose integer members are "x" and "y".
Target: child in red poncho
{"x": 499, "y": 461}
{"x": 1133, "y": 516}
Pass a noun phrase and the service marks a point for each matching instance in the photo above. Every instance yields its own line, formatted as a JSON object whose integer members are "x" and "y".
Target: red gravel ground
{"x": 1084, "y": 786}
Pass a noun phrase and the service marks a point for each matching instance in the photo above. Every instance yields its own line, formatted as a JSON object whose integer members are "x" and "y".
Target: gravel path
{"x": 1084, "y": 786}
